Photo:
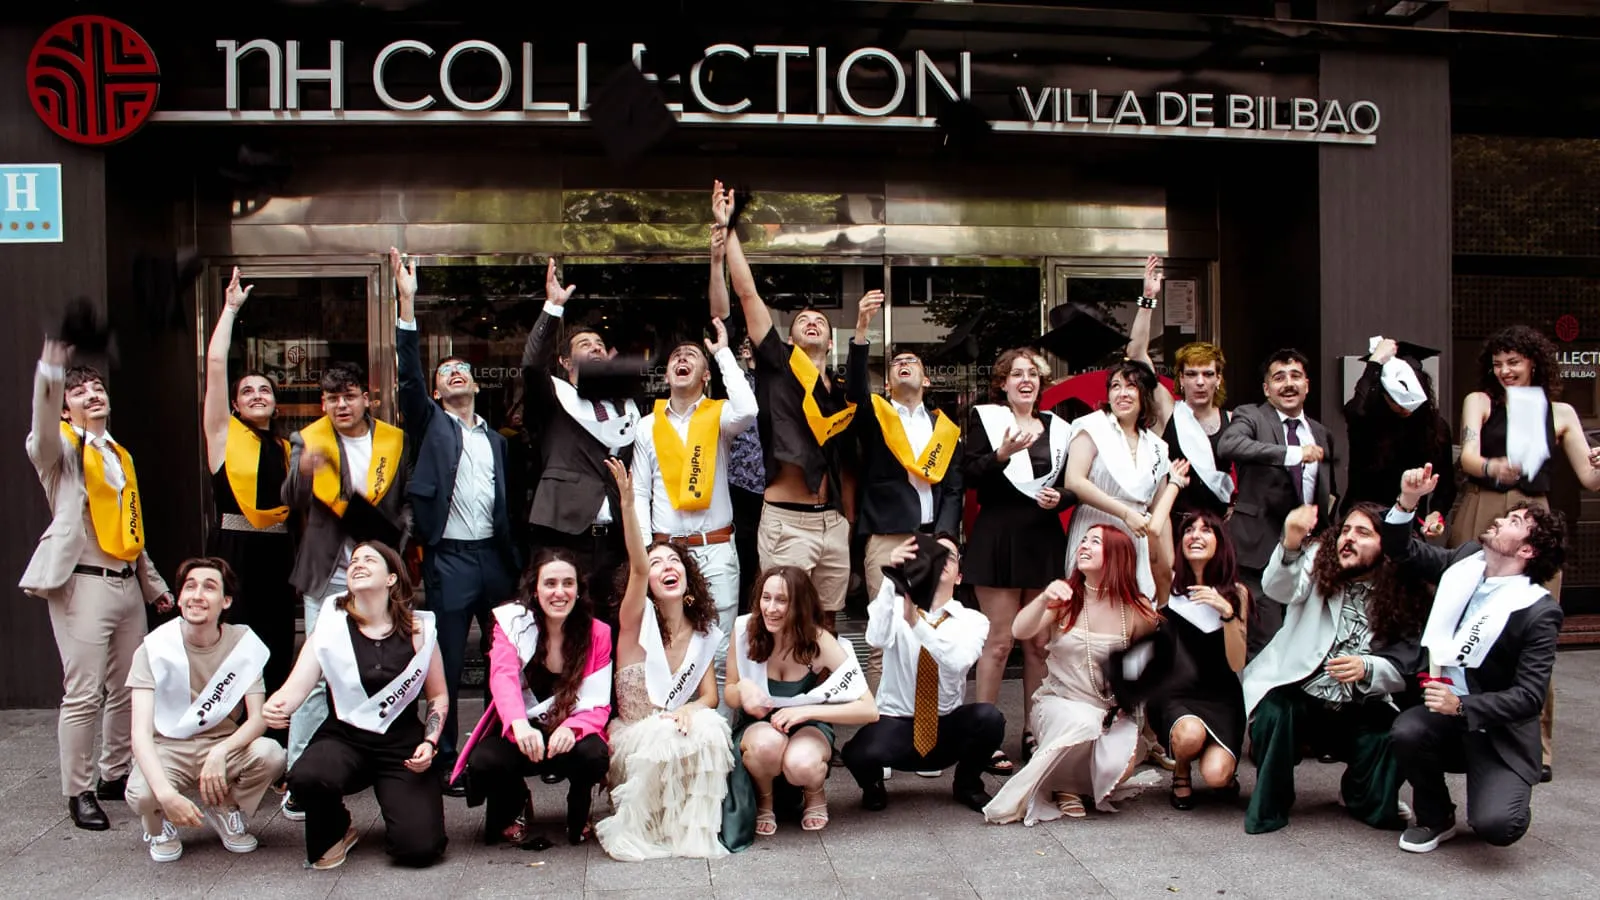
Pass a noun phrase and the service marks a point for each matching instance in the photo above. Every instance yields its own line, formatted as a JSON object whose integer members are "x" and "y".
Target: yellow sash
{"x": 118, "y": 526}
{"x": 935, "y": 458}
{"x": 388, "y": 443}
{"x": 823, "y": 428}
{"x": 689, "y": 471}
{"x": 242, "y": 460}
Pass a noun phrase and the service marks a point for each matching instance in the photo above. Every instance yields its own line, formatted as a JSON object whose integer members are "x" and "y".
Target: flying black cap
{"x": 1080, "y": 337}
{"x": 629, "y": 115}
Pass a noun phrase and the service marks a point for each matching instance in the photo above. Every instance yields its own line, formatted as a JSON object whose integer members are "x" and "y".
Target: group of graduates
{"x": 1184, "y": 605}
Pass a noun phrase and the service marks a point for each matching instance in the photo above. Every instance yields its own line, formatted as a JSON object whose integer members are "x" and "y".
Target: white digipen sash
{"x": 998, "y": 419}
{"x": 178, "y": 715}
{"x": 847, "y": 683}
{"x": 1196, "y": 446}
{"x": 669, "y": 690}
{"x": 1467, "y": 646}
{"x": 517, "y": 622}
{"x": 336, "y": 652}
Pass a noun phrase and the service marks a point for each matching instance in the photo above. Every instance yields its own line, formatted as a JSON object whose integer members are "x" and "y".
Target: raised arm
{"x": 757, "y": 317}
{"x": 214, "y": 408}
{"x": 49, "y": 392}
{"x": 1585, "y": 461}
{"x": 1042, "y": 611}
{"x": 631, "y": 613}
{"x": 717, "y": 293}
{"x": 741, "y": 409}
{"x": 1138, "y": 348}
{"x": 1416, "y": 557}
{"x": 1287, "y": 578}
{"x": 1474, "y": 412}
{"x": 296, "y": 490}
{"x": 415, "y": 404}
{"x": 540, "y": 350}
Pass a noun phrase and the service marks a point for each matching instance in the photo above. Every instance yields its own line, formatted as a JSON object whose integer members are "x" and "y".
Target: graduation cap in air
{"x": 918, "y": 577}
{"x": 1399, "y": 377}
{"x": 961, "y": 343}
{"x": 963, "y": 127}
{"x": 1148, "y": 669}
{"x": 618, "y": 378}
{"x": 86, "y": 329}
{"x": 629, "y": 114}
{"x": 1079, "y": 337}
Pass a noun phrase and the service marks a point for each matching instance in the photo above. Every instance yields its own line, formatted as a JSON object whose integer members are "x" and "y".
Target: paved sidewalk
{"x": 923, "y": 846}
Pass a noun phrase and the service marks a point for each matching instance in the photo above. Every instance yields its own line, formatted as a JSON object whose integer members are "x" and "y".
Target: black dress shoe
{"x": 86, "y": 812}
{"x": 115, "y": 789}
{"x": 1545, "y": 775}
{"x": 974, "y": 797}
{"x": 874, "y": 796}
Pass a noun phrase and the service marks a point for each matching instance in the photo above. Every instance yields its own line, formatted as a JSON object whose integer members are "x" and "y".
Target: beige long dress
{"x": 1076, "y": 753}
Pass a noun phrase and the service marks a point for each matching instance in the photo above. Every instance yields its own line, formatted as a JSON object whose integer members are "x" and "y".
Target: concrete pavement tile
{"x": 857, "y": 848}
{"x": 517, "y": 874}
{"x": 896, "y": 887}
{"x": 606, "y": 874}
{"x": 650, "y": 894}
{"x": 787, "y": 855}
{"x": 820, "y": 884}
{"x": 378, "y": 877}
{"x": 1049, "y": 880}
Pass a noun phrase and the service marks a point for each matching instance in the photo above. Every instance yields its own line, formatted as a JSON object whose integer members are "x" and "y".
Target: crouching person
{"x": 191, "y": 679}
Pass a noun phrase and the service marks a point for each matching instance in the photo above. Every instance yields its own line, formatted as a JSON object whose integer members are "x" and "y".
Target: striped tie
{"x": 925, "y": 714}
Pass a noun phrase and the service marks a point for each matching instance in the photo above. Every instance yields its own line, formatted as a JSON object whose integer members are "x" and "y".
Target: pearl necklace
{"x": 1092, "y": 670}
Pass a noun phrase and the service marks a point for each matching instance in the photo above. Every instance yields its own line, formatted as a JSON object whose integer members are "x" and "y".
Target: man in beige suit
{"x": 91, "y": 568}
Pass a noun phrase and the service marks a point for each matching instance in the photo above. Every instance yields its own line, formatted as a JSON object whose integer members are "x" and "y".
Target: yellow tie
{"x": 925, "y": 714}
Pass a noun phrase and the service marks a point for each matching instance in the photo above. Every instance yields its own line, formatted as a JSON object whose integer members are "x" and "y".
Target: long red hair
{"x": 1119, "y": 577}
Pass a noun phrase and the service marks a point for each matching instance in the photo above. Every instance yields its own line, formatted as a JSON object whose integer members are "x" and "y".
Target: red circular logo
{"x": 1567, "y": 328}
{"x": 93, "y": 80}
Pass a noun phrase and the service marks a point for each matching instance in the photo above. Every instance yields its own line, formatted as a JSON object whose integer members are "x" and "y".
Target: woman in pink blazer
{"x": 550, "y": 678}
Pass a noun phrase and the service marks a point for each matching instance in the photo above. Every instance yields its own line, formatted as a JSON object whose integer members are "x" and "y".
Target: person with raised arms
{"x": 671, "y": 751}
{"x": 792, "y": 682}
{"x": 550, "y": 684}
{"x": 92, "y": 569}
{"x": 192, "y": 678}
{"x": 248, "y": 463}
{"x": 1491, "y": 644}
{"x": 803, "y": 420}
{"x": 379, "y": 659}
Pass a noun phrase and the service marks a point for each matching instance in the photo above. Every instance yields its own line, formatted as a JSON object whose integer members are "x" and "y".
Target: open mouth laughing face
{"x": 668, "y": 579}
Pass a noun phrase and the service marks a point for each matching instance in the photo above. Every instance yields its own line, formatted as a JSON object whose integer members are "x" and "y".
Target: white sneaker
{"x": 229, "y": 825}
{"x": 164, "y": 847}
{"x": 1406, "y": 813}
{"x": 290, "y": 811}
{"x": 888, "y": 773}
{"x": 931, "y": 773}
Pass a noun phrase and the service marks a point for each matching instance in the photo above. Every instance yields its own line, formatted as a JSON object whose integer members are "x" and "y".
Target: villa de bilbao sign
{"x": 481, "y": 81}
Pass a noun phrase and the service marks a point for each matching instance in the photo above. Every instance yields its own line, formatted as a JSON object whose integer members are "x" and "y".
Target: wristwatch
{"x": 1146, "y": 302}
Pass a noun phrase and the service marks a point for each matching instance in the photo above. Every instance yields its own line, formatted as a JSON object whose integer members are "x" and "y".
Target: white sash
{"x": 670, "y": 690}
{"x": 1468, "y": 645}
{"x": 1137, "y": 478}
{"x": 615, "y": 432}
{"x": 517, "y": 622}
{"x": 1200, "y": 615}
{"x": 337, "y": 654}
{"x": 847, "y": 683}
{"x": 180, "y": 716}
{"x": 1399, "y": 380}
{"x": 997, "y": 419}
{"x": 1196, "y": 446}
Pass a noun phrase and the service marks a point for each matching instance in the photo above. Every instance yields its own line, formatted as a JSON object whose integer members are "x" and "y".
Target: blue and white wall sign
{"x": 30, "y": 204}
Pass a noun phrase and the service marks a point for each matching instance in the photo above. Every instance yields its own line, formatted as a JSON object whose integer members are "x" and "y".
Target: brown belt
{"x": 700, "y": 538}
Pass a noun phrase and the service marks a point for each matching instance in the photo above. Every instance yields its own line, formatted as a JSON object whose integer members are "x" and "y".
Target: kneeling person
{"x": 189, "y": 679}
{"x": 924, "y": 724}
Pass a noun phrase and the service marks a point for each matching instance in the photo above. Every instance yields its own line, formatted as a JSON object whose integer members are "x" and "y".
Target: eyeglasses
{"x": 451, "y": 368}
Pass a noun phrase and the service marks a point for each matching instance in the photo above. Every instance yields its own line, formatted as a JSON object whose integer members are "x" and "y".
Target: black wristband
{"x": 432, "y": 743}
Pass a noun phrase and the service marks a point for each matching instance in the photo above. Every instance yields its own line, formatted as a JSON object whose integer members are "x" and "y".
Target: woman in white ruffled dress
{"x": 670, "y": 750}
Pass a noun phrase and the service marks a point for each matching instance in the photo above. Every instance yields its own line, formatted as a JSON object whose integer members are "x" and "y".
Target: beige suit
{"x": 98, "y": 621}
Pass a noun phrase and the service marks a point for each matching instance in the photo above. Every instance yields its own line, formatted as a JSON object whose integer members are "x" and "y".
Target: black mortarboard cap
{"x": 963, "y": 126}
{"x": 1418, "y": 352}
{"x": 629, "y": 114}
{"x": 84, "y": 327}
{"x": 960, "y": 343}
{"x": 619, "y": 378}
{"x": 918, "y": 577}
{"x": 1080, "y": 337}
{"x": 1150, "y": 668}
{"x": 364, "y": 522}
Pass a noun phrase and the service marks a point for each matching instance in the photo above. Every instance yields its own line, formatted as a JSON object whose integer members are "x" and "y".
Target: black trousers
{"x": 746, "y": 519}
{"x": 1266, "y": 613}
{"x": 600, "y": 555}
{"x": 1428, "y": 744}
{"x": 968, "y": 737}
{"x": 412, "y": 803}
{"x": 465, "y": 580}
{"x": 498, "y": 768}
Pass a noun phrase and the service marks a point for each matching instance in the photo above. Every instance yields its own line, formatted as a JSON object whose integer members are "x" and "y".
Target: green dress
{"x": 739, "y": 807}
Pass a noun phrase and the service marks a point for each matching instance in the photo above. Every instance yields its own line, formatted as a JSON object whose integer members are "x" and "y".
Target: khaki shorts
{"x": 818, "y": 542}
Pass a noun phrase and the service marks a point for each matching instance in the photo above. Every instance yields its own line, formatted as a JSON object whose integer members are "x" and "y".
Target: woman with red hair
{"x": 1083, "y": 620}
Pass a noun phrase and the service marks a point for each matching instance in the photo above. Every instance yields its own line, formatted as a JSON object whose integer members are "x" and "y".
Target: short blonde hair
{"x": 1201, "y": 353}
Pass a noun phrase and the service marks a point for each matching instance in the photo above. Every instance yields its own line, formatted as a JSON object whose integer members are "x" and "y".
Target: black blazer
{"x": 436, "y": 437}
{"x": 1506, "y": 693}
{"x": 1265, "y": 493}
{"x": 572, "y": 478}
{"x": 888, "y": 504}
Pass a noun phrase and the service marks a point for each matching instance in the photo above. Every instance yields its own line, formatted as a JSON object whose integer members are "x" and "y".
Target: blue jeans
{"x": 314, "y": 711}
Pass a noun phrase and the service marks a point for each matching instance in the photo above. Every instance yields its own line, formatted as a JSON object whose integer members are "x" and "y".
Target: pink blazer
{"x": 505, "y": 687}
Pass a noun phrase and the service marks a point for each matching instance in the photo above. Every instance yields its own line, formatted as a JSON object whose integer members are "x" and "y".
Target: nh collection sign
{"x": 836, "y": 97}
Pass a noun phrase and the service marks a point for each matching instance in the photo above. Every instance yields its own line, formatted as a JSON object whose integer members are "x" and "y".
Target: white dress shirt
{"x": 918, "y": 425}
{"x": 955, "y": 645}
{"x": 357, "y": 453}
{"x": 471, "y": 515}
{"x": 103, "y": 443}
{"x": 1296, "y": 455}
{"x": 656, "y": 514}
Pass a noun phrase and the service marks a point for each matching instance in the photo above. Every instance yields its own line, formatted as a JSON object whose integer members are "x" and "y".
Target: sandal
{"x": 816, "y": 813}
{"x": 1030, "y": 746}
{"x": 1185, "y": 801}
{"x": 1001, "y": 764}
{"x": 766, "y": 819}
{"x": 1156, "y": 756}
{"x": 1071, "y": 805}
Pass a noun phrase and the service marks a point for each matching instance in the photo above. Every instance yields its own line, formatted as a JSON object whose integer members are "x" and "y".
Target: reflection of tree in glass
{"x": 1008, "y": 297}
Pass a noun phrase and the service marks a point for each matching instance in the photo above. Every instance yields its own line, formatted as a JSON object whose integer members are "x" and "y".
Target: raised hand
{"x": 234, "y": 296}
{"x": 1385, "y": 351}
{"x": 1298, "y": 524}
{"x": 1014, "y": 442}
{"x": 904, "y": 553}
{"x": 1416, "y": 484}
{"x": 624, "y": 479}
{"x": 553, "y": 291}
{"x": 719, "y": 243}
{"x": 1057, "y": 594}
{"x": 1433, "y": 525}
{"x": 56, "y": 353}
{"x": 721, "y": 204}
{"x": 1152, "y": 275}
{"x": 1178, "y": 474}
{"x": 867, "y": 309}
{"x": 720, "y": 342}
{"x": 1594, "y": 457}
{"x": 405, "y": 274}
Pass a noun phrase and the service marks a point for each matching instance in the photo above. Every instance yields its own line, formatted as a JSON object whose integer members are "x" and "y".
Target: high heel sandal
{"x": 766, "y": 819}
{"x": 1001, "y": 764}
{"x": 1185, "y": 802}
{"x": 1030, "y": 746}
{"x": 816, "y": 812}
{"x": 1071, "y": 805}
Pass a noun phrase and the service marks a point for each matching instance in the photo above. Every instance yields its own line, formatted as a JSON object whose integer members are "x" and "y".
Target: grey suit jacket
{"x": 318, "y": 549}
{"x": 1253, "y": 440}
{"x": 61, "y": 474}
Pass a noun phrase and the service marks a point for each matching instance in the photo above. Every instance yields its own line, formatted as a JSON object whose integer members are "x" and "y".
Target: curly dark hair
{"x": 1548, "y": 538}
{"x": 1524, "y": 341}
{"x": 577, "y": 632}
{"x": 699, "y": 607}
{"x": 1141, "y": 376}
{"x": 1396, "y": 605}
{"x": 804, "y": 622}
